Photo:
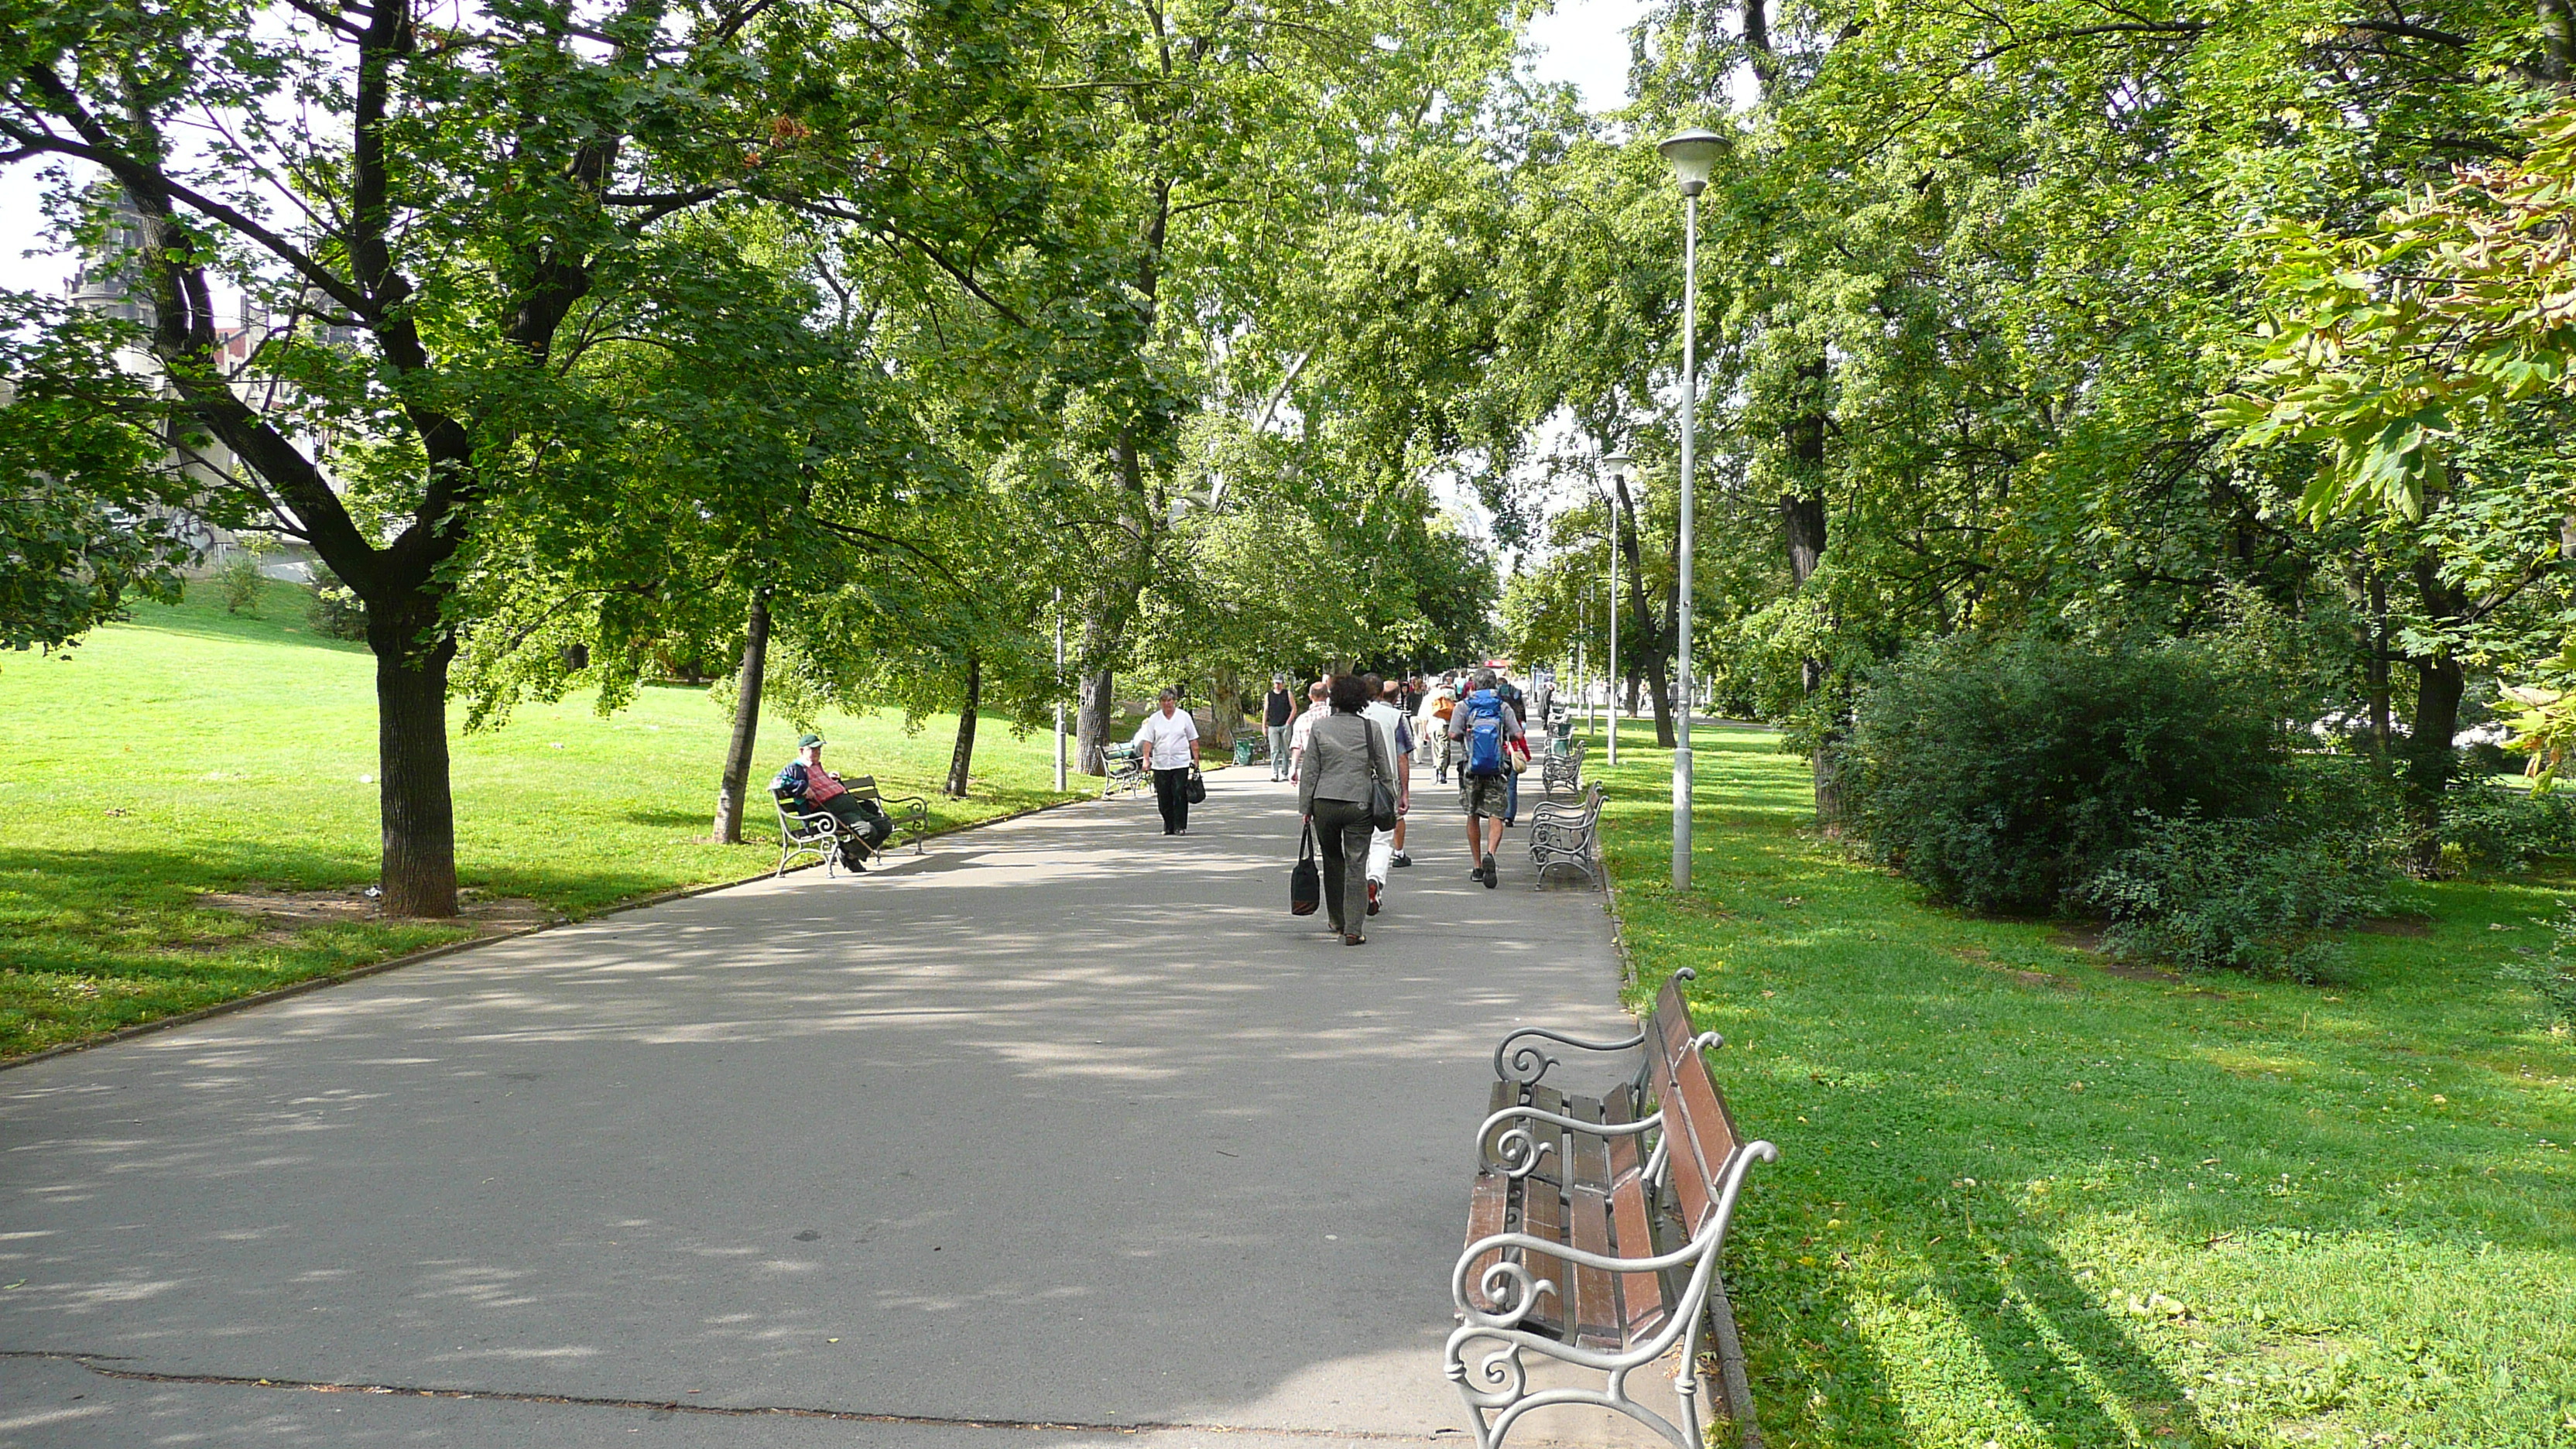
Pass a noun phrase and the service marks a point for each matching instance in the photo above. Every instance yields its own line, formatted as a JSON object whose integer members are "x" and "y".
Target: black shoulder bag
{"x": 1381, "y": 794}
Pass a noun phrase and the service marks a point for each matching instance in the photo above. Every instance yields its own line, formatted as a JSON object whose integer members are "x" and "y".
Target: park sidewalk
{"x": 1066, "y": 1124}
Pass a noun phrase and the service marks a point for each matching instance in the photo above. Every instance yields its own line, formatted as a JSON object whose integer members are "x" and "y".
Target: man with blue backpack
{"x": 1482, "y": 727}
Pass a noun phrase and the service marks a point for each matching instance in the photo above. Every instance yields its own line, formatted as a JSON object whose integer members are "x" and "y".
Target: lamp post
{"x": 1693, "y": 154}
{"x": 1618, "y": 463}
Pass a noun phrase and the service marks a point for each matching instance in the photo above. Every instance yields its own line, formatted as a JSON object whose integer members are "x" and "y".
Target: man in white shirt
{"x": 1318, "y": 697}
{"x": 1396, "y": 733}
{"x": 1168, "y": 741}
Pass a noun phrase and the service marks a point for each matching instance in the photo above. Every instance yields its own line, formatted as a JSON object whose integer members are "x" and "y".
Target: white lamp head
{"x": 1617, "y": 463}
{"x": 1694, "y": 155}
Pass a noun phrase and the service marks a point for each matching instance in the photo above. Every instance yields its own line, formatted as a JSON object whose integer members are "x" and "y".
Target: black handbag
{"x": 1194, "y": 789}
{"x": 1306, "y": 882}
{"x": 1381, "y": 795}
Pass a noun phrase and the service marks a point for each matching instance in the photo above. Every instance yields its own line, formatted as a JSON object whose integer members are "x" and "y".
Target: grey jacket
{"x": 1344, "y": 753}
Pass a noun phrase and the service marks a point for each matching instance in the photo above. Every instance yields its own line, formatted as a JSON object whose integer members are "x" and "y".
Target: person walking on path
{"x": 1344, "y": 761}
{"x": 1169, "y": 742}
{"x": 1518, "y": 703}
{"x": 1278, "y": 708}
{"x": 1436, "y": 710}
{"x": 1316, "y": 693}
{"x": 1395, "y": 732}
{"x": 1480, "y": 729}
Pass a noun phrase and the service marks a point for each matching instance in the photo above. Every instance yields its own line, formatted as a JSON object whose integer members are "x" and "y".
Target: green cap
{"x": 809, "y": 742}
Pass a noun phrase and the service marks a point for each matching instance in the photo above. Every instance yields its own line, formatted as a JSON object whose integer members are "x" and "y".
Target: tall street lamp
{"x": 1693, "y": 154}
{"x": 1618, "y": 464}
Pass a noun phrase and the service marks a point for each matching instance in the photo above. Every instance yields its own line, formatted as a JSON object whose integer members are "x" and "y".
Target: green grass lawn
{"x": 193, "y": 751}
{"x": 2024, "y": 1200}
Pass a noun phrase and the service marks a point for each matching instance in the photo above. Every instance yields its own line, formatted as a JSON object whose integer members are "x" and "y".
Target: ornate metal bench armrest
{"x": 1533, "y": 1058}
{"x": 1529, "y": 1056}
{"x": 1509, "y": 1285}
{"x": 1516, "y": 1152}
{"x": 1572, "y": 835}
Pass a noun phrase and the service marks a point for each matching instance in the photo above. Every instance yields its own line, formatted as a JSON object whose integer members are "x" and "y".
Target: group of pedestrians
{"x": 1351, "y": 751}
{"x": 1360, "y": 734}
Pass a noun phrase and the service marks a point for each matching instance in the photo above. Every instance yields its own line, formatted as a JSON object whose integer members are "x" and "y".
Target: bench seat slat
{"x": 1543, "y": 1213}
{"x": 1488, "y": 1202}
{"x": 1592, "y": 1312}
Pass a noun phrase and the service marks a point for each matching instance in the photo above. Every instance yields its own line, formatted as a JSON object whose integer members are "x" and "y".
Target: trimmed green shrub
{"x": 2209, "y": 895}
{"x": 2004, "y": 776}
{"x": 336, "y": 612}
{"x": 2552, "y": 976}
{"x": 237, "y": 581}
{"x": 2490, "y": 825}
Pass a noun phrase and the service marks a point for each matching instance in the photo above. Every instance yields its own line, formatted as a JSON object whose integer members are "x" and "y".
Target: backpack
{"x": 1484, "y": 733}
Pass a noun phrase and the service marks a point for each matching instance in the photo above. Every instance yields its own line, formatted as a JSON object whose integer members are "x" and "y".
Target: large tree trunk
{"x": 1802, "y": 520}
{"x": 962, "y": 757}
{"x": 1092, "y": 721}
{"x": 2431, "y": 758}
{"x": 1652, "y": 640}
{"x": 2557, "y": 43}
{"x": 417, "y": 812}
{"x": 1225, "y": 711}
{"x": 1659, "y": 689}
{"x": 2379, "y": 657}
{"x": 746, "y": 721}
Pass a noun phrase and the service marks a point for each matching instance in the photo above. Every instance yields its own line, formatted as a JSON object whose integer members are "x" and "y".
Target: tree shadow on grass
{"x": 2049, "y": 1361}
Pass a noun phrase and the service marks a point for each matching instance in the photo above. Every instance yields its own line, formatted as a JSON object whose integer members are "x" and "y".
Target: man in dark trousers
{"x": 1278, "y": 709}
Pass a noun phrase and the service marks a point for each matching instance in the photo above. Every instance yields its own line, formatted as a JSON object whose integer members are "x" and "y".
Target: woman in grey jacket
{"x": 1344, "y": 758}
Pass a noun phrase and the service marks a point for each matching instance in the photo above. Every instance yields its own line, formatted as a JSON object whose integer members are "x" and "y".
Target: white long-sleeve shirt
{"x": 1164, "y": 740}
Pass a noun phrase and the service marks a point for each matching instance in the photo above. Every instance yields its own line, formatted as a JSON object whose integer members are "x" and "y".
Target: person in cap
{"x": 817, "y": 791}
{"x": 1278, "y": 716}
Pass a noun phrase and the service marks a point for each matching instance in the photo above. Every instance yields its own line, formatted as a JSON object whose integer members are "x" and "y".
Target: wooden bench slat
{"x": 1592, "y": 1313}
{"x": 1543, "y": 1214}
{"x": 1642, "y": 1303}
{"x": 1504, "y": 1094}
{"x": 1488, "y": 1202}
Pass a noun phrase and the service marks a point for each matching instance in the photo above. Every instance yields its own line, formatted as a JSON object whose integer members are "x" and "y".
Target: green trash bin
{"x": 1243, "y": 749}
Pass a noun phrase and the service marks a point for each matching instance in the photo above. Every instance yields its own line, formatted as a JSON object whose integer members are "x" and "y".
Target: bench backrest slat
{"x": 1700, "y": 1132}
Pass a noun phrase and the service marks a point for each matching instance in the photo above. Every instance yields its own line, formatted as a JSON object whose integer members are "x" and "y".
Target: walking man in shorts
{"x": 1481, "y": 730}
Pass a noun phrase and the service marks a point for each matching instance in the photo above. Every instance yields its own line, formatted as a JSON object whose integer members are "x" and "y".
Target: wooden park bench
{"x": 818, "y": 833}
{"x": 1124, "y": 769}
{"x": 1565, "y": 770}
{"x": 1594, "y": 1230}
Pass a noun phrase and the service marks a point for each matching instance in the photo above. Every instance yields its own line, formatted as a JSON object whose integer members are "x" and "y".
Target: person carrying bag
{"x": 1338, "y": 792}
{"x": 1305, "y": 883}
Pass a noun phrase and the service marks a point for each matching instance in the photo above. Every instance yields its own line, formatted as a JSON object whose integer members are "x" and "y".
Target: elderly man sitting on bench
{"x": 864, "y": 823}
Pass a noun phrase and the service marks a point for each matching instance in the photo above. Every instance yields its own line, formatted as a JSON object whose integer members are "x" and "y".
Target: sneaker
{"x": 1491, "y": 875}
{"x": 1401, "y": 860}
{"x": 1374, "y": 888}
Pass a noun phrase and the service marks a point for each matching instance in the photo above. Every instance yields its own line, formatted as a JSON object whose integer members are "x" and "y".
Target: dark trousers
{"x": 1511, "y": 796}
{"x": 856, "y": 821}
{"x": 1342, "y": 833}
{"x": 1171, "y": 796}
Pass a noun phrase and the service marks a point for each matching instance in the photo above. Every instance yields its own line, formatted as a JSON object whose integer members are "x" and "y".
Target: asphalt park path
{"x": 1066, "y": 1124}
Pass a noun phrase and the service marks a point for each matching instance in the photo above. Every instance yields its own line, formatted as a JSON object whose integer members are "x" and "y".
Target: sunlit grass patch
{"x": 194, "y": 753}
{"x": 2026, "y": 1199}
